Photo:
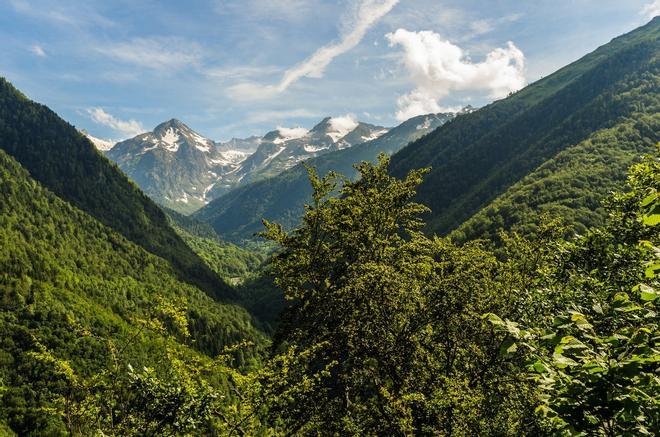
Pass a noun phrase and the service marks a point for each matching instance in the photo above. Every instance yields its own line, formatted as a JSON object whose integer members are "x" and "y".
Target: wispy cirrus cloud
{"x": 279, "y": 116}
{"x": 437, "y": 67}
{"x": 363, "y": 15}
{"x": 125, "y": 128}
{"x": 487, "y": 25}
{"x": 289, "y": 10}
{"x": 38, "y": 50}
{"x": 155, "y": 53}
{"x": 74, "y": 13}
{"x": 240, "y": 72}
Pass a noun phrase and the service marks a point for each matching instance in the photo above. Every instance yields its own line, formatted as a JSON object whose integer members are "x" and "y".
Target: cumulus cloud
{"x": 155, "y": 53}
{"x": 437, "y": 67}
{"x": 126, "y": 128}
{"x": 652, "y": 9}
{"x": 292, "y": 133}
{"x": 365, "y": 14}
{"x": 38, "y": 51}
{"x": 345, "y": 123}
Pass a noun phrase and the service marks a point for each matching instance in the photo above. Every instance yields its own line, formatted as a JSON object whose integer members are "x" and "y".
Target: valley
{"x": 445, "y": 267}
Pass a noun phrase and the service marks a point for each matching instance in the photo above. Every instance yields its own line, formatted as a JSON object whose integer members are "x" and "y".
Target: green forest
{"x": 390, "y": 333}
{"x": 499, "y": 276}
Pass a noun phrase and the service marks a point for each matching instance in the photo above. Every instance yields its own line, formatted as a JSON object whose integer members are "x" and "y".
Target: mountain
{"x": 102, "y": 145}
{"x": 174, "y": 165}
{"x": 182, "y": 170}
{"x": 572, "y": 184}
{"x": 65, "y": 162}
{"x": 237, "y": 215}
{"x": 568, "y": 120}
{"x": 283, "y": 148}
{"x": 75, "y": 299}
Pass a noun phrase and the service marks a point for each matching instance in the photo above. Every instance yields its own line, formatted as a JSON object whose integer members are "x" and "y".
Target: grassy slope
{"x": 571, "y": 186}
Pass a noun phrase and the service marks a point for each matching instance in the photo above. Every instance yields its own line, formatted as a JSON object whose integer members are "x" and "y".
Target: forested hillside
{"x": 573, "y": 184}
{"x": 65, "y": 162}
{"x": 79, "y": 302}
{"x": 479, "y": 156}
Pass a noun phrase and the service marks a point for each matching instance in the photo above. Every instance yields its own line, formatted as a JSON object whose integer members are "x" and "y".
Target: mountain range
{"x": 182, "y": 170}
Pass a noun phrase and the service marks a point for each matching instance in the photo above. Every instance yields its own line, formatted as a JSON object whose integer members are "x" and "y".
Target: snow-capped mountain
{"x": 283, "y": 148}
{"x": 102, "y": 145}
{"x": 175, "y": 165}
{"x": 183, "y": 170}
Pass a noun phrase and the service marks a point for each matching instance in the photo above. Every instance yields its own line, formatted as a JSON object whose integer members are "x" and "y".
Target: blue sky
{"x": 241, "y": 67}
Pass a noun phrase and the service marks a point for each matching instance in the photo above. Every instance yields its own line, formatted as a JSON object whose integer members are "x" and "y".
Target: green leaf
{"x": 651, "y": 220}
{"x": 562, "y": 361}
{"x": 539, "y": 367}
{"x": 648, "y": 294}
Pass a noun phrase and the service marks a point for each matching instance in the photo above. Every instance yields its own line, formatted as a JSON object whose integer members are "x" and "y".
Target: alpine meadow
{"x": 330, "y": 218}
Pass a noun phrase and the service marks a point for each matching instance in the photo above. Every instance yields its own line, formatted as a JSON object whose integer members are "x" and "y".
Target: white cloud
{"x": 437, "y": 67}
{"x": 365, "y": 14}
{"x": 155, "y": 53}
{"x": 652, "y": 9}
{"x": 292, "y": 133}
{"x": 38, "y": 50}
{"x": 240, "y": 72}
{"x": 126, "y": 128}
{"x": 345, "y": 123}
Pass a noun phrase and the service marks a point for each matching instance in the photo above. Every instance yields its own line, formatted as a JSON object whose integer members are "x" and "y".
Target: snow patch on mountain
{"x": 425, "y": 125}
{"x": 170, "y": 139}
{"x": 100, "y": 144}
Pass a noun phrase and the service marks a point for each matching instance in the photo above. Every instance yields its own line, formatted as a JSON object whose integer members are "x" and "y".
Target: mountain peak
{"x": 335, "y": 127}
{"x": 173, "y": 124}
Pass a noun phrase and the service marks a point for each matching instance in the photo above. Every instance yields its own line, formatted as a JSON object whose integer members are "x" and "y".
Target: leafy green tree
{"x": 597, "y": 359}
{"x": 384, "y": 335}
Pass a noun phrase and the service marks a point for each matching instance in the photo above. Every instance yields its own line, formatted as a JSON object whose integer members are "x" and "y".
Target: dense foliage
{"x": 392, "y": 333}
{"x": 231, "y": 262}
{"x": 385, "y": 335}
{"x": 594, "y": 346}
{"x": 247, "y": 267}
{"x": 65, "y": 162}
